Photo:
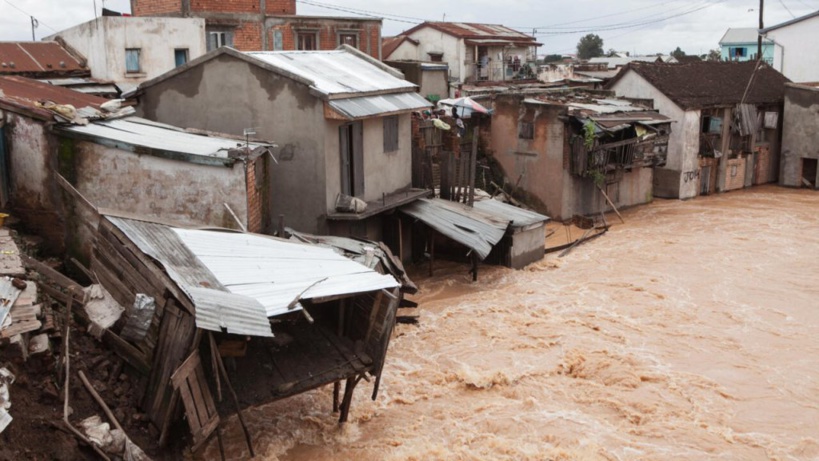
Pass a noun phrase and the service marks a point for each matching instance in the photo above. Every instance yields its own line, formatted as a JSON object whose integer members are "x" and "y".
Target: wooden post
{"x": 281, "y": 226}
{"x": 475, "y": 263}
{"x": 612, "y": 204}
{"x": 431, "y": 249}
{"x": 223, "y": 371}
{"x": 445, "y": 178}
{"x": 400, "y": 240}
{"x": 473, "y": 165}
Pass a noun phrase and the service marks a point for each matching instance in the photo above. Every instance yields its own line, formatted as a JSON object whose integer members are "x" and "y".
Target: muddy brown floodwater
{"x": 690, "y": 332}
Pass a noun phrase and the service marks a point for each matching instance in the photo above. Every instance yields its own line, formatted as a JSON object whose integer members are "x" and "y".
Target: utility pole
{"x": 34, "y": 24}
{"x": 759, "y": 34}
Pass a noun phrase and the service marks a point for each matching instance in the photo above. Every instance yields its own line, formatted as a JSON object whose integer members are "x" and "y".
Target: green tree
{"x": 714, "y": 55}
{"x": 590, "y": 46}
{"x": 552, "y": 58}
{"x": 678, "y": 53}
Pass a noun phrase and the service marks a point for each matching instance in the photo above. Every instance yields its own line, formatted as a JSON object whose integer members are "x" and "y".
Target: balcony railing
{"x": 625, "y": 154}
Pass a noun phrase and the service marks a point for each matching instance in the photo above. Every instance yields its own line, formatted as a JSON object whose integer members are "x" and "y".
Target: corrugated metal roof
{"x": 24, "y": 93}
{"x": 518, "y": 216}
{"x": 614, "y": 62}
{"x": 471, "y": 227}
{"x": 137, "y": 131}
{"x": 475, "y": 30}
{"x": 332, "y": 72}
{"x": 37, "y": 58}
{"x": 216, "y": 307}
{"x": 238, "y": 280}
{"x": 381, "y": 104}
{"x": 276, "y": 272}
{"x": 742, "y": 35}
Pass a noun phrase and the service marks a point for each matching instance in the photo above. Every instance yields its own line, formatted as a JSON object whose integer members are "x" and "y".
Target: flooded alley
{"x": 687, "y": 333}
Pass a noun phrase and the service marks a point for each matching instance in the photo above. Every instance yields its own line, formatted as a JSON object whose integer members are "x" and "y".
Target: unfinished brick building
{"x": 268, "y": 25}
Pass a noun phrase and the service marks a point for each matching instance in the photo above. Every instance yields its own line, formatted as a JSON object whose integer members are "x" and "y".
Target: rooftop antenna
{"x": 248, "y": 132}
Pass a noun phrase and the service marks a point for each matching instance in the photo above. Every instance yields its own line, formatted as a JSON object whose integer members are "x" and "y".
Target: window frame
{"x": 224, "y": 37}
{"x": 526, "y": 130}
{"x": 313, "y": 34}
{"x": 348, "y": 33}
{"x": 392, "y": 138}
{"x": 176, "y": 52}
{"x": 128, "y": 53}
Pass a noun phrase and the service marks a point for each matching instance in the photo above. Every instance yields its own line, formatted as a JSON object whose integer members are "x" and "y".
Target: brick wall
{"x": 281, "y": 7}
{"x": 248, "y": 37}
{"x": 254, "y": 195}
{"x": 155, "y": 7}
{"x": 369, "y": 35}
{"x": 225, "y": 6}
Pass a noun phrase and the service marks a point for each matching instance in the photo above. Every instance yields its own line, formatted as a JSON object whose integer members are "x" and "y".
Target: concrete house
{"x": 563, "y": 147}
{"x": 795, "y": 47}
{"x": 118, "y": 162}
{"x": 268, "y": 25}
{"x": 341, "y": 120}
{"x": 472, "y": 51}
{"x": 800, "y": 138}
{"x": 129, "y": 50}
{"x": 432, "y": 78}
{"x": 742, "y": 44}
{"x": 728, "y": 126}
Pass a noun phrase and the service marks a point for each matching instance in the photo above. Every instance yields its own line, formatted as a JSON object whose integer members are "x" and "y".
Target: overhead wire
{"x": 29, "y": 15}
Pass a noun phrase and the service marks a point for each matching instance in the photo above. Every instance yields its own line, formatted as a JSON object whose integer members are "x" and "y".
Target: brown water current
{"x": 689, "y": 332}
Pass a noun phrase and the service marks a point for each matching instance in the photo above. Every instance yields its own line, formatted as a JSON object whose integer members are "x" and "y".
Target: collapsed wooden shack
{"x": 291, "y": 316}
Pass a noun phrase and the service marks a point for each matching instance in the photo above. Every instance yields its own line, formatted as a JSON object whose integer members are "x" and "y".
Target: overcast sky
{"x": 641, "y": 26}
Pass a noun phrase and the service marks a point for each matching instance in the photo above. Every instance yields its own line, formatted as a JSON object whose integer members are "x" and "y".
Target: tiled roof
{"x": 37, "y": 58}
{"x": 695, "y": 85}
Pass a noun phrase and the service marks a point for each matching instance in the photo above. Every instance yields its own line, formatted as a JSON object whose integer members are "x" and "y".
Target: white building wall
{"x": 433, "y": 40}
{"x": 798, "y": 59}
{"x": 103, "y": 42}
{"x": 406, "y": 51}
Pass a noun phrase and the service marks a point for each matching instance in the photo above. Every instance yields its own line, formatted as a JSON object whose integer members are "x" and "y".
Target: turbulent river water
{"x": 689, "y": 332}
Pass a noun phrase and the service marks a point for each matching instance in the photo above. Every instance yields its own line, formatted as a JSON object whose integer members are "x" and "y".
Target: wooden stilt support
{"x": 215, "y": 350}
{"x": 336, "y": 391}
{"x": 612, "y": 204}
{"x": 475, "y": 263}
{"x": 431, "y": 249}
{"x": 349, "y": 387}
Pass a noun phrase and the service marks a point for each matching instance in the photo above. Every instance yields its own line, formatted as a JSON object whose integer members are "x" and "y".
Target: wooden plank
{"x": 210, "y": 406}
{"x": 151, "y": 267}
{"x": 187, "y": 401}
{"x": 124, "y": 261}
{"x": 21, "y": 327}
{"x": 50, "y": 273}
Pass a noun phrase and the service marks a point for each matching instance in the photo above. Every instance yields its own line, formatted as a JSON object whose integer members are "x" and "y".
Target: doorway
{"x": 351, "y": 147}
{"x": 809, "y": 168}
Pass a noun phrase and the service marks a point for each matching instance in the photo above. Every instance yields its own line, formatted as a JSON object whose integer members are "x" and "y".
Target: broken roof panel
{"x": 380, "y": 104}
{"x": 471, "y": 227}
{"x": 518, "y": 216}
{"x": 37, "y": 58}
{"x": 236, "y": 281}
{"x": 277, "y": 272}
{"x": 335, "y": 72}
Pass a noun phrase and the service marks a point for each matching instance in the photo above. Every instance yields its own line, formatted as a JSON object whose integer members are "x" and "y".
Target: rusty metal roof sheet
{"x": 37, "y": 58}
{"x": 236, "y": 281}
{"x": 473, "y": 228}
{"x": 23, "y": 93}
{"x": 367, "y": 106}
{"x": 475, "y": 30}
{"x": 128, "y": 132}
{"x": 518, "y": 216}
{"x": 334, "y": 72}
